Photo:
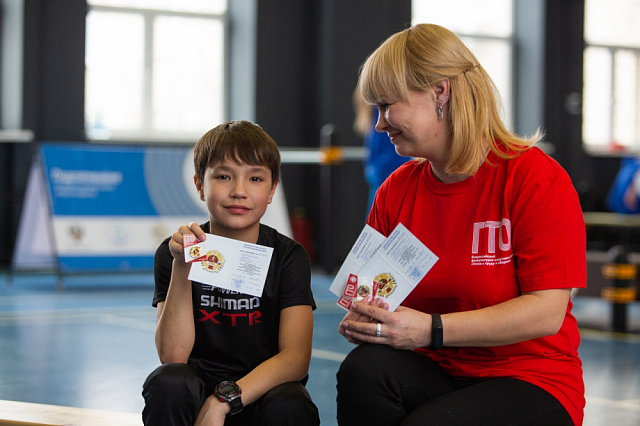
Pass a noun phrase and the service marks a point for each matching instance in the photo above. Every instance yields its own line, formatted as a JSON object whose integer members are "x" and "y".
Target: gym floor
{"x": 90, "y": 345}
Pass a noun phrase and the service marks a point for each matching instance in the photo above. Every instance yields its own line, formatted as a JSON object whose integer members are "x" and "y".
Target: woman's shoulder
{"x": 536, "y": 164}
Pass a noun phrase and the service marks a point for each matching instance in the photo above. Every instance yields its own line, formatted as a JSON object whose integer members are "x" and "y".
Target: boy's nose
{"x": 238, "y": 190}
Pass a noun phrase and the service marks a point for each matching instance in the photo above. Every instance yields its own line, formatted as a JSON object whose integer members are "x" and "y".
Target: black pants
{"x": 379, "y": 385}
{"x": 174, "y": 394}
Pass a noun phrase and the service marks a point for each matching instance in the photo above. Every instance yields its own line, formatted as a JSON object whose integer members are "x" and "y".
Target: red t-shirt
{"x": 515, "y": 226}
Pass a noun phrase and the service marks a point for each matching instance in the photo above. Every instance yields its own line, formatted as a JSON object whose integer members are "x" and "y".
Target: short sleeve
{"x": 162, "y": 263}
{"x": 295, "y": 278}
{"x": 549, "y": 236}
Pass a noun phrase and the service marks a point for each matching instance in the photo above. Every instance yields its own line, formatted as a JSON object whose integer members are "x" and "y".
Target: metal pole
{"x": 327, "y": 135}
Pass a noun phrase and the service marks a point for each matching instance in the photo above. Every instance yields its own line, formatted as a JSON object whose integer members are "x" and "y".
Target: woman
{"x": 487, "y": 337}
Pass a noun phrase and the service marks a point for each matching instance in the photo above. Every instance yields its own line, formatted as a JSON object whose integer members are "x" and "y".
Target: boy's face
{"x": 237, "y": 196}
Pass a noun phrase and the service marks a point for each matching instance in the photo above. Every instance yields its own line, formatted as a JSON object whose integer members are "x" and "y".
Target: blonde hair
{"x": 416, "y": 58}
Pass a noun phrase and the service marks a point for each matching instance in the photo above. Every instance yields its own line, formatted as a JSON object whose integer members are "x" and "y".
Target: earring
{"x": 440, "y": 106}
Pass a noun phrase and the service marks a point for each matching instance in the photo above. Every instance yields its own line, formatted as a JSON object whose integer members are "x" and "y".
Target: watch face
{"x": 228, "y": 389}
{"x": 230, "y": 392}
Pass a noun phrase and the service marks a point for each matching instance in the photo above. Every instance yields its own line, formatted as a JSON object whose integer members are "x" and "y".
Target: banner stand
{"x": 92, "y": 209}
{"x": 34, "y": 251}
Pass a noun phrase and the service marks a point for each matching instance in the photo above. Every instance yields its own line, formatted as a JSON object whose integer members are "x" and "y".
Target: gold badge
{"x": 387, "y": 284}
{"x": 213, "y": 261}
{"x": 195, "y": 252}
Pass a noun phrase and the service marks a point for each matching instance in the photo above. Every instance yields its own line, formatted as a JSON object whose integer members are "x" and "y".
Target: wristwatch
{"x": 436, "y": 332}
{"x": 230, "y": 392}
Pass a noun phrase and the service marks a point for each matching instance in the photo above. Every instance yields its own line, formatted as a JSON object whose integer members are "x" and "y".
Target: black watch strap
{"x": 436, "y": 332}
{"x": 236, "y": 405}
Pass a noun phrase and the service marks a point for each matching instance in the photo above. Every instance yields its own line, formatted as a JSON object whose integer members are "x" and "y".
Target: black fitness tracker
{"x": 436, "y": 332}
{"x": 230, "y": 392}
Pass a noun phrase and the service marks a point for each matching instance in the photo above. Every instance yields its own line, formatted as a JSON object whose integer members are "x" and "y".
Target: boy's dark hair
{"x": 240, "y": 141}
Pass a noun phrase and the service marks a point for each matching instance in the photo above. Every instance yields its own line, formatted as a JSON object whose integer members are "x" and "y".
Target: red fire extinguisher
{"x": 303, "y": 230}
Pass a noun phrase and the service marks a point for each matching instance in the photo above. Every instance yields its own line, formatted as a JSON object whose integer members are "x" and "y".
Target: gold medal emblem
{"x": 364, "y": 291}
{"x": 195, "y": 252}
{"x": 387, "y": 284}
{"x": 213, "y": 262}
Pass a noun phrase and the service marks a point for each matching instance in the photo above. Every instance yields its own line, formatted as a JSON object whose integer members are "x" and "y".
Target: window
{"x": 611, "y": 92}
{"x": 154, "y": 69}
{"x": 487, "y": 31}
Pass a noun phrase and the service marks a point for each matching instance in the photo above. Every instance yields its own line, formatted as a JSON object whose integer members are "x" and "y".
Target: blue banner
{"x": 111, "y": 206}
{"x": 92, "y": 180}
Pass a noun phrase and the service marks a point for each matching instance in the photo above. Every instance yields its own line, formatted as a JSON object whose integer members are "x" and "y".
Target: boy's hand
{"x": 212, "y": 413}
{"x": 176, "y": 245}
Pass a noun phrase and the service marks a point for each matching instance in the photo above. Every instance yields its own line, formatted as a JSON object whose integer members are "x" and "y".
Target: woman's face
{"x": 413, "y": 127}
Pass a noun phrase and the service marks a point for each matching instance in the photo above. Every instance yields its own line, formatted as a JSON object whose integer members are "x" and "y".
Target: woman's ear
{"x": 442, "y": 90}
{"x": 198, "y": 184}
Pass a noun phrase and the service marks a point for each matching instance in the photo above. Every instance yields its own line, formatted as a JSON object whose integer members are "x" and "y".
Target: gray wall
{"x": 307, "y": 55}
{"x": 307, "y": 70}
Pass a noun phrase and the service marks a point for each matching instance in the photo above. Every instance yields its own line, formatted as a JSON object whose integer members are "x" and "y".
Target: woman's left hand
{"x": 403, "y": 329}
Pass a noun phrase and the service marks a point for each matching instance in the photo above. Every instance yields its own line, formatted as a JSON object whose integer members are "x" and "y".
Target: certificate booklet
{"x": 227, "y": 263}
{"x": 396, "y": 267}
{"x": 363, "y": 249}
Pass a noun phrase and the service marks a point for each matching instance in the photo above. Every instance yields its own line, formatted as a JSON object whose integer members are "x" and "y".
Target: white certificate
{"x": 398, "y": 266}
{"x": 230, "y": 264}
{"x": 363, "y": 249}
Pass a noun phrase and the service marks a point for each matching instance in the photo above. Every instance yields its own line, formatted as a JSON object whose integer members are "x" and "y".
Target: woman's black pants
{"x": 379, "y": 385}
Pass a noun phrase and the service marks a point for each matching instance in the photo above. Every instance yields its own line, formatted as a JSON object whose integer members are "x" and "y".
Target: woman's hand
{"x": 176, "y": 245}
{"x": 354, "y": 316}
{"x": 212, "y": 413}
{"x": 403, "y": 329}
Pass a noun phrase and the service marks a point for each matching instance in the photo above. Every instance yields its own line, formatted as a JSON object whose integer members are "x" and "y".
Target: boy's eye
{"x": 223, "y": 177}
{"x": 256, "y": 179}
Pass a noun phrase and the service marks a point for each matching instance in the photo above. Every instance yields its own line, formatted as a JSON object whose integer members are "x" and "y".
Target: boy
{"x": 230, "y": 358}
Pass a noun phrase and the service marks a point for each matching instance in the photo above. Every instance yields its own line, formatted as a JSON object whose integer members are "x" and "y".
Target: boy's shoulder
{"x": 271, "y": 237}
{"x": 285, "y": 249}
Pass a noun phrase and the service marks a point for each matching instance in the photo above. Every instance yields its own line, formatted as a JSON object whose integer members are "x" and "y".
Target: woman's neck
{"x": 444, "y": 177}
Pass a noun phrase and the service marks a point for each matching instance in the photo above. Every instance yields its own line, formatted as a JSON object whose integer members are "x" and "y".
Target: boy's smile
{"x": 237, "y": 196}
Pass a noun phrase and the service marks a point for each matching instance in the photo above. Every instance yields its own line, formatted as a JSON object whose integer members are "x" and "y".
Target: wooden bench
{"x": 14, "y": 413}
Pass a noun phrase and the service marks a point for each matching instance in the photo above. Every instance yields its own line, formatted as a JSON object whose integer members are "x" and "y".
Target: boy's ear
{"x": 273, "y": 191}
{"x": 198, "y": 184}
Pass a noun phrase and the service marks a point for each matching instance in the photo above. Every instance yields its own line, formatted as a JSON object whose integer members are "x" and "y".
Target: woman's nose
{"x": 381, "y": 124}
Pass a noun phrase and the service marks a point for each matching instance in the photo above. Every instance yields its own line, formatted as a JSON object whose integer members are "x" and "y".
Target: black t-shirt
{"x": 235, "y": 332}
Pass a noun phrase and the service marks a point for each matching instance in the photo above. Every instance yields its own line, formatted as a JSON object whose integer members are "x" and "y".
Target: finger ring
{"x": 378, "y": 329}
